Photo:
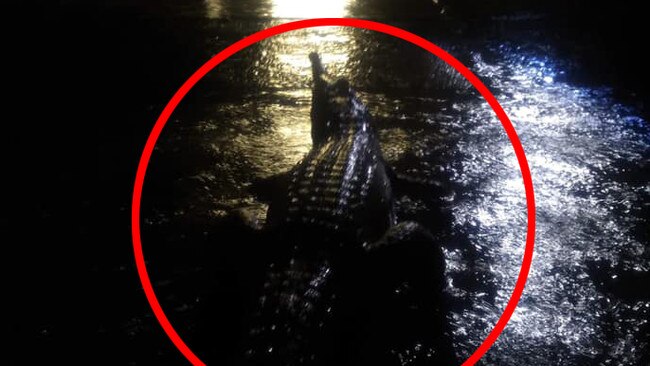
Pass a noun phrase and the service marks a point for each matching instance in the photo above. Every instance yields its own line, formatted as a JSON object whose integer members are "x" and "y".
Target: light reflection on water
{"x": 283, "y": 62}
{"x": 572, "y": 136}
{"x": 291, "y": 9}
{"x": 575, "y": 139}
{"x": 281, "y": 9}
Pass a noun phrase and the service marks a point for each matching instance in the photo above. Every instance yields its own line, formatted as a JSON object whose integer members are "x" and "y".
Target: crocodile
{"x": 348, "y": 284}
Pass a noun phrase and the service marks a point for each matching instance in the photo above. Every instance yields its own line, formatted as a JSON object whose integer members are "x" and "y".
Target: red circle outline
{"x": 346, "y": 22}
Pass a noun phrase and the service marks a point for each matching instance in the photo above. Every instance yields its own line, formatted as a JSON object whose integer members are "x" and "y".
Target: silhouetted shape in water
{"x": 348, "y": 285}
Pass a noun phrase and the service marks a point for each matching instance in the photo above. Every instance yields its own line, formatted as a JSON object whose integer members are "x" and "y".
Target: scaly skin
{"x": 337, "y": 207}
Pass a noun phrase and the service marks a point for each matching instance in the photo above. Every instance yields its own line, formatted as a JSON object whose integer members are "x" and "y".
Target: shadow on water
{"x": 572, "y": 103}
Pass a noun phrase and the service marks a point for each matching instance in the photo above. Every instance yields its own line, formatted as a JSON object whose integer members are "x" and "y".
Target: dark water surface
{"x": 586, "y": 139}
{"x": 582, "y": 144}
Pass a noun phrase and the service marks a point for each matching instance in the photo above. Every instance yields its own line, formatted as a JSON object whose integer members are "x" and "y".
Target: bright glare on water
{"x": 583, "y": 146}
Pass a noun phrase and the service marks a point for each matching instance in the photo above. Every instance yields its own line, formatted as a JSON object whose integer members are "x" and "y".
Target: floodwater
{"x": 587, "y": 149}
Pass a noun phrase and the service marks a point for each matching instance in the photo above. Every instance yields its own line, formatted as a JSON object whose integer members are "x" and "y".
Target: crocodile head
{"x": 341, "y": 188}
{"x": 335, "y": 106}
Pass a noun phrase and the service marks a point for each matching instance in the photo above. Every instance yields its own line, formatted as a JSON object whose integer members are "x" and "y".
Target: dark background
{"x": 87, "y": 81}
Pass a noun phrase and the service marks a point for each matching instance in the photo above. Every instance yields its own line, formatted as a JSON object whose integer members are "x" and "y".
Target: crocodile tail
{"x": 292, "y": 314}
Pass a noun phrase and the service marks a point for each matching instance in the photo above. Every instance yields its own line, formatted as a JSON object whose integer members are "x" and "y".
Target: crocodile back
{"x": 337, "y": 199}
{"x": 341, "y": 188}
